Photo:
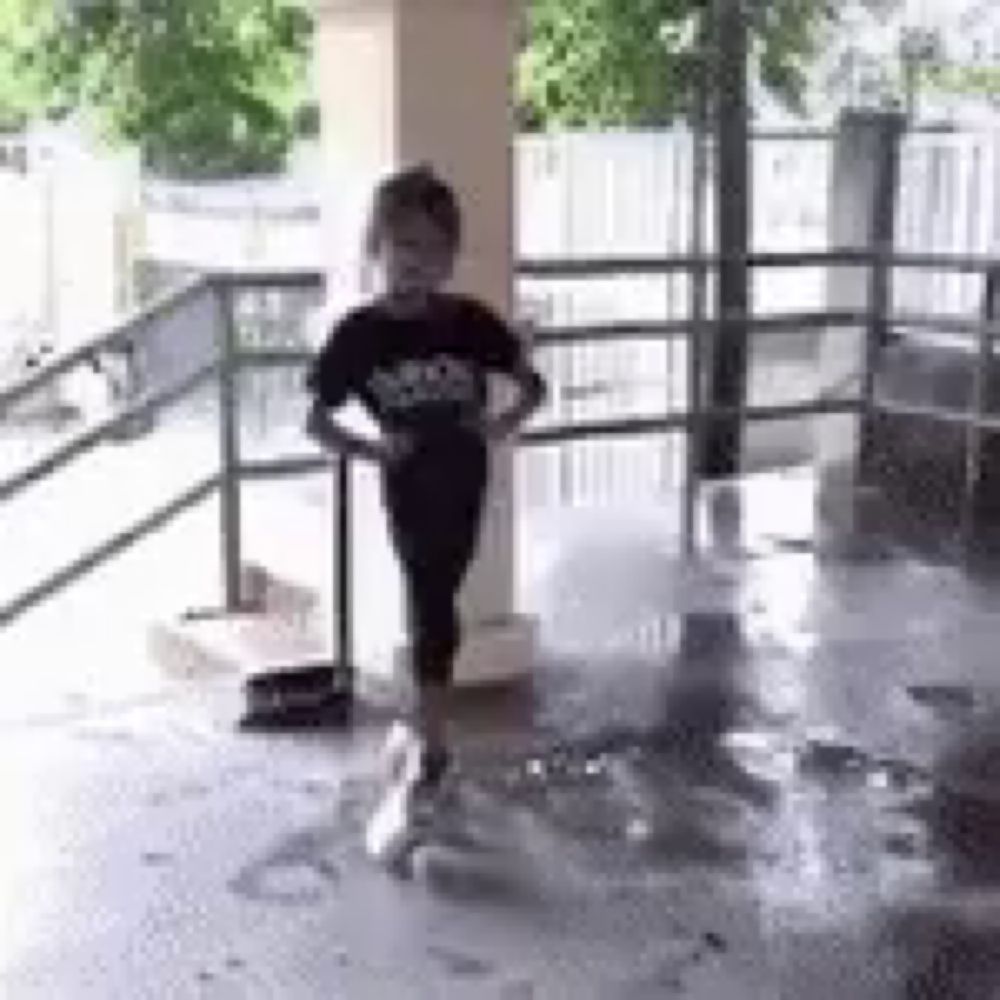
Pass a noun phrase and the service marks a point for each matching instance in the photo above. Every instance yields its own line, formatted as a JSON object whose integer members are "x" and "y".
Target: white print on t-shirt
{"x": 440, "y": 379}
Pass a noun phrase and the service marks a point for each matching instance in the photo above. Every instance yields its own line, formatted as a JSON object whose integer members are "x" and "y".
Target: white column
{"x": 404, "y": 81}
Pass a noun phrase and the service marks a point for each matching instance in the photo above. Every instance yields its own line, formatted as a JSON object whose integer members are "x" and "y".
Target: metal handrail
{"x": 967, "y": 263}
{"x": 946, "y": 323}
{"x": 232, "y": 359}
{"x": 224, "y": 369}
{"x": 819, "y": 406}
{"x": 131, "y": 329}
{"x": 304, "y": 280}
{"x": 274, "y": 357}
{"x": 956, "y": 416}
{"x": 97, "y": 557}
{"x": 549, "y": 268}
{"x": 121, "y": 332}
{"x": 138, "y": 322}
{"x": 137, "y": 326}
{"x": 554, "y": 268}
{"x": 558, "y": 268}
{"x": 83, "y": 443}
{"x": 683, "y": 328}
{"x": 282, "y": 468}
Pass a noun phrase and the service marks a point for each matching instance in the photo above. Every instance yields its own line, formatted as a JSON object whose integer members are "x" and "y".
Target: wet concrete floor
{"x": 773, "y": 773}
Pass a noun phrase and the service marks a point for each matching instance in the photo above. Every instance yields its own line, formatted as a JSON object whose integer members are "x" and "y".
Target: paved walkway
{"x": 772, "y": 775}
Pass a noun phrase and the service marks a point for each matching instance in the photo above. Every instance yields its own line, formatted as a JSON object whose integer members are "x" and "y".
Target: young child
{"x": 417, "y": 357}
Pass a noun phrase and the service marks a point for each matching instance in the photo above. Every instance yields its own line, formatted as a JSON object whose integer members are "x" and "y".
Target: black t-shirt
{"x": 420, "y": 373}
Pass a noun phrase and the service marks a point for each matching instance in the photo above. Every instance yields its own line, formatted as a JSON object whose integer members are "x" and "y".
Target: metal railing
{"x": 230, "y": 360}
{"x": 223, "y": 369}
{"x": 699, "y": 331}
{"x": 876, "y": 321}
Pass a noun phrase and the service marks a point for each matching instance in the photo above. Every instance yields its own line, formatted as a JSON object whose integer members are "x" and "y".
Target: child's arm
{"x": 332, "y": 379}
{"x": 503, "y": 352}
{"x": 330, "y": 435}
{"x": 327, "y": 433}
{"x": 531, "y": 395}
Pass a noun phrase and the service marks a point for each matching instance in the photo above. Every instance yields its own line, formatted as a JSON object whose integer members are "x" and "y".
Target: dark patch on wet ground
{"x": 461, "y": 965}
{"x": 904, "y": 845}
{"x": 948, "y": 701}
{"x": 298, "y": 871}
{"x": 157, "y": 859}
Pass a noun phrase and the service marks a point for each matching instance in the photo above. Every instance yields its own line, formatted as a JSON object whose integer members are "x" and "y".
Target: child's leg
{"x": 433, "y": 720}
{"x": 434, "y": 511}
{"x": 435, "y": 532}
{"x": 436, "y": 637}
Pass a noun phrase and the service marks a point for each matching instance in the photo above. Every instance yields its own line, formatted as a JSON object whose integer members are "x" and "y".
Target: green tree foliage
{"x": 207, "y": 88}
{"x": 599, "y": 63}
{"x": 24, "y": 27}
{"x": 212, "y": 88}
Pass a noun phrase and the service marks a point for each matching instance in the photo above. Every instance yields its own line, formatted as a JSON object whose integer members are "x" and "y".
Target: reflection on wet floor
{"x": 772, "y": 772}
{"x": 825, "y": 727}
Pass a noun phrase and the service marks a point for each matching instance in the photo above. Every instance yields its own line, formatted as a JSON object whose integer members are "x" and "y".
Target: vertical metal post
{"x": 229, "y": 446}
{"x": 974, "y": 430}
{"x": 728, "y": 365}
{"x": 876, "y": 330}
{"x": 883, "y": 214}
{"x": 698, "y": 297}
{"x": 343, "y": 591}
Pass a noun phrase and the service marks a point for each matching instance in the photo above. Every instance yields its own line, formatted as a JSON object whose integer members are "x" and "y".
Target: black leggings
{"x": 434, "y": 500}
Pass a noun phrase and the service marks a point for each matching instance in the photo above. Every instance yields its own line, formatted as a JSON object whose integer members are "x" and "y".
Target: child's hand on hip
{"x": 488, "y": 428}
{"x": 395, "y": 446}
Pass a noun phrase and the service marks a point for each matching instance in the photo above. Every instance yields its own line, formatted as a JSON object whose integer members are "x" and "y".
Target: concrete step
{"x": 276, "y": 595}
{"x": 243, "y": 646}
{"x": 254, "y": 668}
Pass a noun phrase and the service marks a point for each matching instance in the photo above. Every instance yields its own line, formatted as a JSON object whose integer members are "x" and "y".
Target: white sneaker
{"x": 390, "y": 836}
{"x": 409, "y": 810}
{"x": 399, "y": 741}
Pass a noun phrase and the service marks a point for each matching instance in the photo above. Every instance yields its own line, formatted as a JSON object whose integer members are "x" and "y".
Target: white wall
{"x": 61, "y": 256}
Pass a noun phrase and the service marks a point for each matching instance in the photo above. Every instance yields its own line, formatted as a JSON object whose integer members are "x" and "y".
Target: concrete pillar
{"x": 863, "y": 186}
{"x": 403, "y": 81}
